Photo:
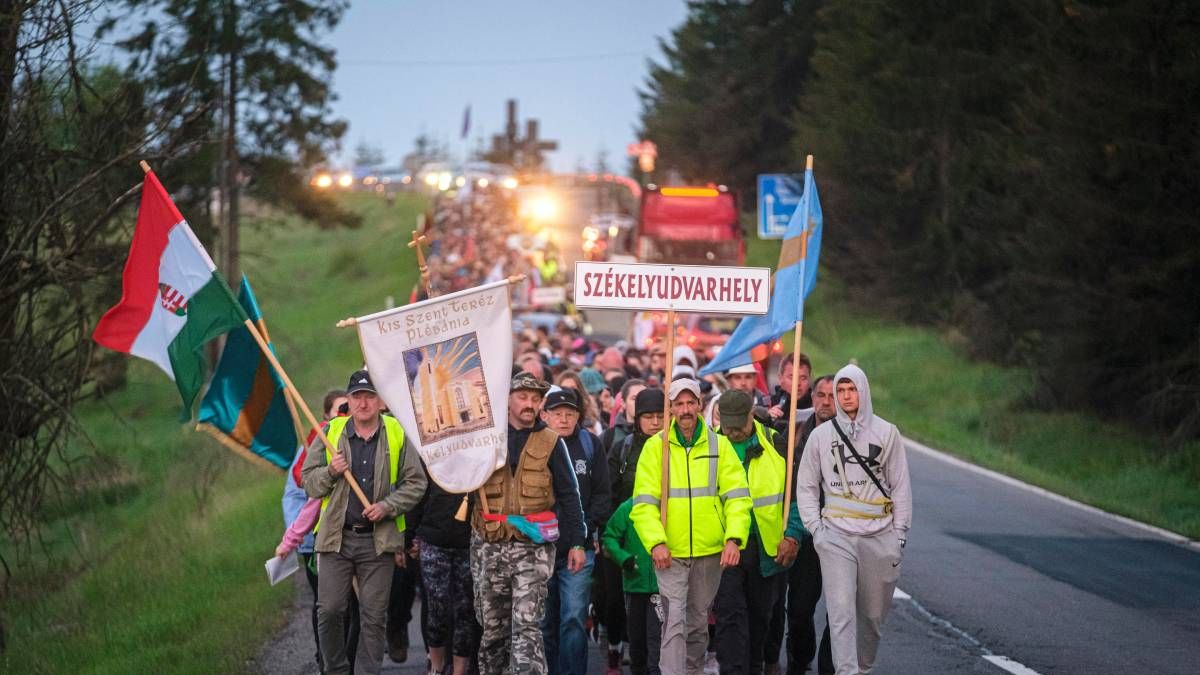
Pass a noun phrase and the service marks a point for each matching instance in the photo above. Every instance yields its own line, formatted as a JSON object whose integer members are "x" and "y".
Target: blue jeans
{"x": 564, "y": 627}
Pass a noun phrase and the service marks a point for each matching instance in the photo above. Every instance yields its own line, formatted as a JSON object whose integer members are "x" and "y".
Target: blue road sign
{"x": 778, "y": 196}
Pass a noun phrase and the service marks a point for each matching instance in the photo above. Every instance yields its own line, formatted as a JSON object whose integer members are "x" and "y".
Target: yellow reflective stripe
{"x": 646, "y": 499}
{"x": 736, "y": 492}
{"x": 871, "y": 509}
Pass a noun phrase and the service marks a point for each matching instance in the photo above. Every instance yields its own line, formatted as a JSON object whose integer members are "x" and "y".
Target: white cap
{"x": 682, "y": 385}
{"x": 748, "y": 368}
{"x": 685, "y": 370}
{"x": 685, "y": 352}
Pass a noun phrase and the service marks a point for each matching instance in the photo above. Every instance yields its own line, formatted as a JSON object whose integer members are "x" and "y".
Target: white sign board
{"x": 548, "y": 295}
{"x": 443, "y": 367}
{"x": 684, "y": 288}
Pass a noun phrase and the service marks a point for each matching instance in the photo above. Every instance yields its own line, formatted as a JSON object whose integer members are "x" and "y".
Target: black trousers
{"x": 607, "y": 592}
{"x": 400, "y": 601}
{"x": 803, "y": 593}
{"x": 745, "y": 601}
{"x": 644, "y": 624}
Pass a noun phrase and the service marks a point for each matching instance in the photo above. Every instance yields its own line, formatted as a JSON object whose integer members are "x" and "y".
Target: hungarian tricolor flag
{"x": 173, "y": 300}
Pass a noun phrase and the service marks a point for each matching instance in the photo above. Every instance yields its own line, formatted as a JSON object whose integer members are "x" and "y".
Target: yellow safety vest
{"x": 699, "y": 518}
{"x": 395, "y": 437}
{"x": 766, "y": 476}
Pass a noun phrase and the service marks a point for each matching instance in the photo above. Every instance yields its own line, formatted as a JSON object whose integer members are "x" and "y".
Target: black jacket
{"x": 595, "y": 492}
{"x": 434, "y": 519}
{"x": 622, "y": 465}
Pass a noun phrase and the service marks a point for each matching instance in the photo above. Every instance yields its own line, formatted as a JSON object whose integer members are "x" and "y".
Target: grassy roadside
{"x": 979, "y": 412}
{"x": 156, "y": 565}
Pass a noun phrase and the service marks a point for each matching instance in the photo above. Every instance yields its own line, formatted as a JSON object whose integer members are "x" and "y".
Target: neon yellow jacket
{"x": 709, "y": 500}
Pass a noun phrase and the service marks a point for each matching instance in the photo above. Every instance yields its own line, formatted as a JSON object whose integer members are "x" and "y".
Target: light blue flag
{"x": 794, "y": 280}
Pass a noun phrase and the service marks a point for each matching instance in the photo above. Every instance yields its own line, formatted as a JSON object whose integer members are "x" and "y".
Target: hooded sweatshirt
{"x": 878, "y": 442}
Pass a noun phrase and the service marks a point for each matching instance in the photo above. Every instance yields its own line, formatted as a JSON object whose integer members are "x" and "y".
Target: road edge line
{"x": 1005, "y": 663}
{"x": 1173, "y": 537}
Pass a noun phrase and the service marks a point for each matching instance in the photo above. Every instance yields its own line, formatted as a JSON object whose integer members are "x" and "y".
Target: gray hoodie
{"x": 879, "y": 443}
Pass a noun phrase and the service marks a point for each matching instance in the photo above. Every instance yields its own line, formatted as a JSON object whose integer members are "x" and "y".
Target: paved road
{"x": 997, "y": 570}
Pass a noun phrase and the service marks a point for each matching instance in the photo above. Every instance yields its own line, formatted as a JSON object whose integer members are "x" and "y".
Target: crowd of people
{"x": 581, "y": 537}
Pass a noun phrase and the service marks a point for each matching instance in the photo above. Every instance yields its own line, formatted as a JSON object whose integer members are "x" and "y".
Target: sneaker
{"x": 711, "y": 667}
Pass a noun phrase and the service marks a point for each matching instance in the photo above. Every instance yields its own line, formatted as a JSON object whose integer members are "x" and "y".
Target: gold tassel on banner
{"x": 461, "y": 514}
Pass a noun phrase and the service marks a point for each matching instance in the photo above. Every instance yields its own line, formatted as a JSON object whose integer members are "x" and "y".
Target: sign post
{"x": 673, "y": 288}
{"x": 778, "y": 196}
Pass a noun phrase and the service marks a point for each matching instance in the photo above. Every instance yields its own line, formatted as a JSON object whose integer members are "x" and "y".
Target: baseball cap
{"x": 685, "y": 353}
{"x": 748, "y": 368}
{"x": 562, "y": 397}
{"x": 360, "y": 381}
{"x": 524, "y": 380}
{"x": 735, "y": 408}
{"x": 680, "y": 386}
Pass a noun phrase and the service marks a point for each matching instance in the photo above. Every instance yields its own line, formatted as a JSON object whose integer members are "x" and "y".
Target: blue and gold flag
{"x": 245, "y": 400}
{"x": 794, "y": 279}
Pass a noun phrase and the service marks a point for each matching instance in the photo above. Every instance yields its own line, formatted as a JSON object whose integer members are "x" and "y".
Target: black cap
{"x": 360, "y": 381}
{"x": 648, "y": 401}
{"x": 557, "y": 399}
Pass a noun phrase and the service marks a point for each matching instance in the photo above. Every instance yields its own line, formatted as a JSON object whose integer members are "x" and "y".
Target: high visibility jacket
{"x": 765, "y": 475}
{"x": 708, "y": 500}
{"x": 395, "y": 438}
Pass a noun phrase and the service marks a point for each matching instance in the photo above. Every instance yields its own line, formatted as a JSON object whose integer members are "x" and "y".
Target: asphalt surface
{"x": 993, "y": 570}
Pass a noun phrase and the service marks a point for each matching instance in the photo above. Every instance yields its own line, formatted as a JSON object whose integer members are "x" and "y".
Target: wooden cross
{"x": 417, "y": 240}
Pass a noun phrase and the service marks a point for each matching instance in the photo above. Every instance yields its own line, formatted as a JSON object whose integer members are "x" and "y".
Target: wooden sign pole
{"x": 666, "y": 432}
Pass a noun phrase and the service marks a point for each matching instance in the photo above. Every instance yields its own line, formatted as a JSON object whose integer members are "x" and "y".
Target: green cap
{"x": 735, "y": 406}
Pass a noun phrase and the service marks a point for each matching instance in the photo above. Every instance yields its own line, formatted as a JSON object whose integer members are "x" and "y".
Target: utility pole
{"x": 232, "y": 184}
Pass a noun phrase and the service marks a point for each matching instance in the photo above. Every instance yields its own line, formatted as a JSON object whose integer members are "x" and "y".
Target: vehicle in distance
{"x": 690, "y": 226}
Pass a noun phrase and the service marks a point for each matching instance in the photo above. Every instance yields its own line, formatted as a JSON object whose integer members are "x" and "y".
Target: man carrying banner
{"x": 513, "y": 535}
{"x": 857, "y": 459}
{"x": 708, "y": 521}
{"x": 353, "y": 540}
{"x": 749, "y": 590}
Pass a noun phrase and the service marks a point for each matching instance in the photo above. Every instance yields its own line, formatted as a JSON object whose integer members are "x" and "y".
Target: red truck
{"x": 690, "y": 226}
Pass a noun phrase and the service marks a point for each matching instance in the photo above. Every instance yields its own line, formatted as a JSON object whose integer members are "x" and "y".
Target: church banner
{"x": 443, "y": 368}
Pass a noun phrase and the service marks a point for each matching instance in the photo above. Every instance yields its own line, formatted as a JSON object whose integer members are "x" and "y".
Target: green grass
{"x": 981, "y": 412}
{"x": 155, "y": 563}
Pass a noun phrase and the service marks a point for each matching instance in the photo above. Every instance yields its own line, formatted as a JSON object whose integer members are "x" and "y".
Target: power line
{"x": 492, "y": 62}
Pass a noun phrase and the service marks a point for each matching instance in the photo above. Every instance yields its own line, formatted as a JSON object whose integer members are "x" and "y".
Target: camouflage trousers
{"x": 510, "y": 598}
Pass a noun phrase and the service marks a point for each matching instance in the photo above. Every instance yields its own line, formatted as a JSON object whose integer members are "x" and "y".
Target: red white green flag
{"x": 173, "y": 300}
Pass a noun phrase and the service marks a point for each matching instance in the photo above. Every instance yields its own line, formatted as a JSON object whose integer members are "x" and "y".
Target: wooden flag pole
{"x": 287, "y": 381}
{"x": 791, "y": 448}
{"x": 666, "y": 432}
{"x": 287, "y": 394}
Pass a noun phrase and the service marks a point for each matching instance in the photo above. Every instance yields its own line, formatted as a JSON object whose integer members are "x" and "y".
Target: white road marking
{"x": 1002, "y": 662}
{"x": 1173, "y": 537}
{"x": 1008, "y": 664}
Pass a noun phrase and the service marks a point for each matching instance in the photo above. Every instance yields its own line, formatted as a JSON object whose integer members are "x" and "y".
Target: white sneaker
{"x": 710, "y": 664}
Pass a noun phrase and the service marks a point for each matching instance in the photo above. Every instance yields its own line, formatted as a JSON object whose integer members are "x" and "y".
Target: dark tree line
{"x": 74, "y": 121}
{"x": 1023, "y": 171}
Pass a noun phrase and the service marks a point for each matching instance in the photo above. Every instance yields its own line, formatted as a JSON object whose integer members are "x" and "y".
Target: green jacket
{"x": 621, "y": 543}
{"x": 400, "y": 498}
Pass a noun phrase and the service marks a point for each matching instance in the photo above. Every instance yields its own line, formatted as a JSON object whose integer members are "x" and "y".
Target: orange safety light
{"x": 689, "y": 192}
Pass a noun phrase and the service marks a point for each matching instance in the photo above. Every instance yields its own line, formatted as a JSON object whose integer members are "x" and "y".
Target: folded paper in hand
{"x": 279, "y": 569}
